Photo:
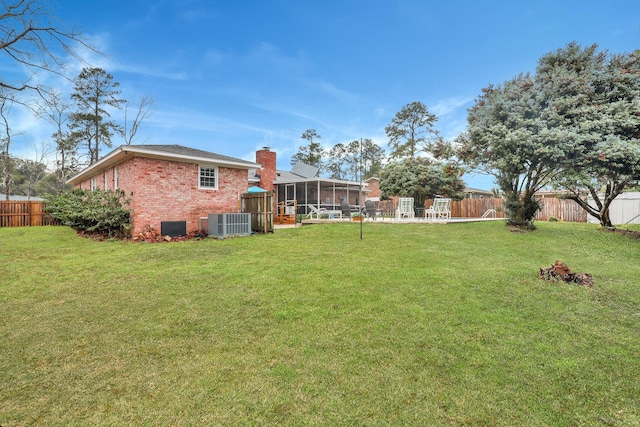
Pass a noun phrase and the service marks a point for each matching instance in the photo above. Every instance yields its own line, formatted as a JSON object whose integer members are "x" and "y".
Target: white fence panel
{"x": 625, "y": 209}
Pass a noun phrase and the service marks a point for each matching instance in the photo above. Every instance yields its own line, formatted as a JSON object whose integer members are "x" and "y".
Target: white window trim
{"x": 94, "y": 183}
{"x": 115, "y": 178}
{"x": 217, "y": 177}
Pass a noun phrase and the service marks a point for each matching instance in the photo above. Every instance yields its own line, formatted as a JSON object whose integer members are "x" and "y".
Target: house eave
{"x": 125, "y": 152}
{"x": 326, "y": 180}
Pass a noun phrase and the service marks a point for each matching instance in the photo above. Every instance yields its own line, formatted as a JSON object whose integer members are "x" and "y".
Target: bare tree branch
{"x": 29, "y": 37}
{"x": 6, "y": 102}
{"x": 57, "y": 112}
{"x": 36, "y": 169}
{"x": 144, "y": 112}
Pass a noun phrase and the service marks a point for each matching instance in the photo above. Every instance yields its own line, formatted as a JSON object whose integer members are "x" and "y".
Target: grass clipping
{"x": 559, "y": 271}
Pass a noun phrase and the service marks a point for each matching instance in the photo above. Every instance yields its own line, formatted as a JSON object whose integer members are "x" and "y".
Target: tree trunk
{"x": 601, "y": 210}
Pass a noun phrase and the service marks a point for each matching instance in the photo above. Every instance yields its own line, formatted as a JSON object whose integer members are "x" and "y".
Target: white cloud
{"x": 150, "y": 72}
{"x": 213, "y": 57}
{"x": 269, "y": 54}
{"x": 449, "y": 106}
{"x": 332, "y": 90}
{"x": 193, "y": 120}
{"x": 95, "y": 54}
{"x": 102, "y": 59}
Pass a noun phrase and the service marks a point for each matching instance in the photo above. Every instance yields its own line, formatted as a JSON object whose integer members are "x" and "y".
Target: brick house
{"x": 169, "y": 182}
{"x": 373, "y": 184}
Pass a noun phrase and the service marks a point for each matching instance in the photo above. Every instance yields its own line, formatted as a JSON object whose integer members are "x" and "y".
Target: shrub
{"x": 553, "y": 219}
{"x": 103, "y": 212}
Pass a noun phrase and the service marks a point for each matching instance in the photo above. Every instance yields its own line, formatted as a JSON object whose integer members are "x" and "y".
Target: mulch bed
{"x": 630, "y": 233}
{"x": 559, "y": 272}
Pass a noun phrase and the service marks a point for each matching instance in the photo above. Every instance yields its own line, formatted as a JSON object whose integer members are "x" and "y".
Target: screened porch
{"x": 320, "y": 193}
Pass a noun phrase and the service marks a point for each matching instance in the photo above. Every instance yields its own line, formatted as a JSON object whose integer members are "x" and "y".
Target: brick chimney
{"x": 267, "y": 160}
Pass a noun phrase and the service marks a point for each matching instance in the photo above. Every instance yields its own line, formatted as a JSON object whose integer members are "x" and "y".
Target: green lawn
{"x": 413, "y": 325}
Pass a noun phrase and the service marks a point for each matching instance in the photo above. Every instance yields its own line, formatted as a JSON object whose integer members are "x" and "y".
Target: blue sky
{"x": 233, "y": 76}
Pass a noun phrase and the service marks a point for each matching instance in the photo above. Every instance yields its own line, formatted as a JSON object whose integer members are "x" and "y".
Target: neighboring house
{"x": 373, "y": 185}
{"x": 546, "y": 194}
{"x": 474, "y": 193}
{"x": 169, "y": 182}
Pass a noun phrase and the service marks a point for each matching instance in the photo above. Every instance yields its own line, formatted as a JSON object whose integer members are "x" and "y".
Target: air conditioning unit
{"x": 229, "y": 224}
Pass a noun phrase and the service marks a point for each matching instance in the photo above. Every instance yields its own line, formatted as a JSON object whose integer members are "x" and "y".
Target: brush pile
{"x": 560, "y": 272}
{"x": 149, "y": 234}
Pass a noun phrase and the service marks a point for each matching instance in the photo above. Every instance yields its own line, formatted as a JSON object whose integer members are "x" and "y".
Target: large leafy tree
{"x": 507, "y": 137}
{"x": 421, "y": 178}
{"x": 95, "y": 92}
{"x": 594, "y": 98}
{"x": 312, "y": 153}
{"x": 575, "y": 124}
{"x": 411, "y": 131}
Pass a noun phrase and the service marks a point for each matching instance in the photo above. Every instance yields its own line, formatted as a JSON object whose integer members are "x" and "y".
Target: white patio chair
{"x": 316, "y": 211}
{"x": 441, "y": 210}
{"x": 405, "y": 208}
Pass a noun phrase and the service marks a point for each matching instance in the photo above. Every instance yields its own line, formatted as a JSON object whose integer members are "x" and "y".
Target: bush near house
{"x": 102, "y": 212}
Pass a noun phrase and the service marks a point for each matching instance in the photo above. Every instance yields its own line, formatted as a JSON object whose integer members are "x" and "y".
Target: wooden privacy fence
{"x": 23, "y": 213}
{"x": 563, "y": 210}
{"x": 260, "y": 206}
{"x": 476, "y": 208}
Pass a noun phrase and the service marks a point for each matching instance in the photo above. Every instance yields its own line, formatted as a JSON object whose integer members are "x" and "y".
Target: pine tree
{"x": 94, "y": 92}
{"x": 312, "y": 153}
{"x": 411, "y": 131}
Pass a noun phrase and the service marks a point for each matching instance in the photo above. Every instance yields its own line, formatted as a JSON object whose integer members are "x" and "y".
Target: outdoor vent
{"x": 229, "y": 224}
{"x": 173, "y": 228}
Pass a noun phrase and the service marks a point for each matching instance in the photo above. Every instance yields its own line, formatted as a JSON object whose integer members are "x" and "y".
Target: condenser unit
{"x": 229, "y": 224}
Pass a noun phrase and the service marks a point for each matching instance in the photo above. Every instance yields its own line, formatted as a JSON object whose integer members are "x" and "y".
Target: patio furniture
{"x": 441, "y": 210}
{"x": 346, "y": 210}
{"x": 489, "y": 213}
{"x": 405, "y": 208}
{"x": 316, "y": 211}
{"x": 370, "y": 209}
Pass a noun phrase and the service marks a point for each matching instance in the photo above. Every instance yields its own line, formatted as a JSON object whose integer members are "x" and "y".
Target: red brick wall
{"x": 339, "y": 196}
{"x": 267, "y": 160}
{"x": 168, "y": 191}
{"x": 374, "y": 187}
